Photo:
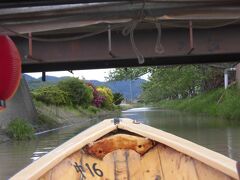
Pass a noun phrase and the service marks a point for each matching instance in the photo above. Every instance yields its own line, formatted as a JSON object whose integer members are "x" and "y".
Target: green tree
{"x": 128, "y": 73}
{"x": 117, "y": 98}
{"x": 172, "y": 82}
{"x": 51, "y": 95}
{"x": 79, "y": 93}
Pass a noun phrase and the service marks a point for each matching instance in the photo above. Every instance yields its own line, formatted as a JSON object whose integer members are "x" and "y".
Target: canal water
{"x": 213, "y": 133}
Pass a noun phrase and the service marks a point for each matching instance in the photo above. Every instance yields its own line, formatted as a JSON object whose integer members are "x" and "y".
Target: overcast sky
{"x": 95, "y": 74}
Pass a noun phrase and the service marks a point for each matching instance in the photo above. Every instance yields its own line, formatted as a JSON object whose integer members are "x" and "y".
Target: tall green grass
{"x": 218, "y": 102}
{"x": 46, "y": 121}
{"x": 19, "y": 129}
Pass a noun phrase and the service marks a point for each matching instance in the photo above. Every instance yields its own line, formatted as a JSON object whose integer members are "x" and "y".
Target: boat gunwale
{"x": 51, "y": 159}
{"x": 211, "y": 158}
{"x": 200, "y": 153}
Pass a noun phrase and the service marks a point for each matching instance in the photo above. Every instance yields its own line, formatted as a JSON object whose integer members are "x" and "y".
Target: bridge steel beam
{"x": 209, "y": 45}
{"x": 158, "y": 61}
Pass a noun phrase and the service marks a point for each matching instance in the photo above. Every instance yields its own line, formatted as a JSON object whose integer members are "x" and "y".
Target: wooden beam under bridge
{"x": 210, "y": 45}
{"x": 120, "y": 63}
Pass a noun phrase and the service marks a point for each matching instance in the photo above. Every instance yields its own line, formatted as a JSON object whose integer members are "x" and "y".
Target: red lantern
{"x": 10, "y": 69}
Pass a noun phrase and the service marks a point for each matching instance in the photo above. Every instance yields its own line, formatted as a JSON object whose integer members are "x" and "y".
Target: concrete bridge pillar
{"x": 238, "y": 74}
{"x": 20, "y": 106}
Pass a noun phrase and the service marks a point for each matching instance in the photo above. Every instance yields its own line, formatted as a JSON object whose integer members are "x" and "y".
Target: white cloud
{"x": 94, "y": 74}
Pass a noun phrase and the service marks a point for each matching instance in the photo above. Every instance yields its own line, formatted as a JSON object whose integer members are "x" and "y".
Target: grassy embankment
{"x": 70, "y": 101}
{"x": 50, "y": 116}
{"x": 218, "y": 102}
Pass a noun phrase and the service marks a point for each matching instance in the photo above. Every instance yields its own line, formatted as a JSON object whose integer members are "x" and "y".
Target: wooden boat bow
{"x": 129, "y": 150}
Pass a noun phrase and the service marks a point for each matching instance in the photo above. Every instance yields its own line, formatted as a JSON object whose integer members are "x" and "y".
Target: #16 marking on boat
{"x": 92, "y": 169}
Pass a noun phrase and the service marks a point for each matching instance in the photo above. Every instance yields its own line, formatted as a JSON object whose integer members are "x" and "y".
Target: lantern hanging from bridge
{"x": 10, "y": 69}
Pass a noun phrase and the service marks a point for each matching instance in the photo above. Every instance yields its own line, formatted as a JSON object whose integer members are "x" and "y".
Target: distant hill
{"x": 34, "y": 83}
{"x": 122, "y": 87}
{"x": 53, "y": 79}
{"x": 29, "y": 78}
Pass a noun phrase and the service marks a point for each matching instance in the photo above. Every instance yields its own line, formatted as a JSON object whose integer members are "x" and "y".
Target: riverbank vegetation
{"x": 192, "y": 88}
{"x": 217, "y": 102}
{"x": 75, "y": 93}
{"x": 19, "y": 129}
{"x": 72, "y": 100}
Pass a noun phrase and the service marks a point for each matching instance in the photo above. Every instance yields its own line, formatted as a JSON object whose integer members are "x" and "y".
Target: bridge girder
{"x": 210, "y": 45}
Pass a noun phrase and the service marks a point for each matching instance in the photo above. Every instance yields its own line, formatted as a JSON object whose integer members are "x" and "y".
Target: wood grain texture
{"x": 171, "y": 158}
{"x": 119, "y": 141}
{"x": 206, "y": 172}
{"x": 158, "y": 163}
{"x": 151, "y": 165}
{"x": 63, "y": 171}
{"x": 202, "y": 154}
{"x": 53, "y": 158}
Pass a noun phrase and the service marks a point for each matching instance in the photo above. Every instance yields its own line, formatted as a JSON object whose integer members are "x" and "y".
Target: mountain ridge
{"x": 122, "y": 87}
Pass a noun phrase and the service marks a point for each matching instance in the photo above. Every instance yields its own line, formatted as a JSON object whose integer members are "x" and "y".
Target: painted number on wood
{"x": 92, "y": 169}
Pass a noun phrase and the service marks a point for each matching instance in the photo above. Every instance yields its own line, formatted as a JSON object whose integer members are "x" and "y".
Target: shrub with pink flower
{"x": 98, "y": 99}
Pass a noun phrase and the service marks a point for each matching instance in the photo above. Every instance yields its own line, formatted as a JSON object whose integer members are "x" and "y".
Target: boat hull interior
{"x": 124, "y": 156}
{"x": 126, "y": 149}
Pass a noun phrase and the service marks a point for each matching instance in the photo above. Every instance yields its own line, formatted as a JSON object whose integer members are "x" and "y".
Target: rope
{"x": 61, "y": 39}
{"x": 159, "y": 47}
{"x": 218, "y": 24}
{"x": 129, "y": 30}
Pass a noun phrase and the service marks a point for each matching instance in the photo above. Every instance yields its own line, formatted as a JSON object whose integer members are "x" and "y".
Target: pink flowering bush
{"x": 107, "y": 94}
{"x": 98, "y": 99}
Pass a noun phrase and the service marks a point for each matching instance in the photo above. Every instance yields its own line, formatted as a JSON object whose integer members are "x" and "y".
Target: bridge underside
{"x": 192, "y": 31}
{"x": 209, "y": 45}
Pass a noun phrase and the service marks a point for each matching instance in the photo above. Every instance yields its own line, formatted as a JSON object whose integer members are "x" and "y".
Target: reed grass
{"x": 19, "y": 129}
{"x": 218, "y": 102}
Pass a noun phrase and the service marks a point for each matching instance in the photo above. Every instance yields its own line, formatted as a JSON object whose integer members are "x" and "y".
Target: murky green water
{"x": 16, "y": 155}
{"x": 210, "y": 132}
